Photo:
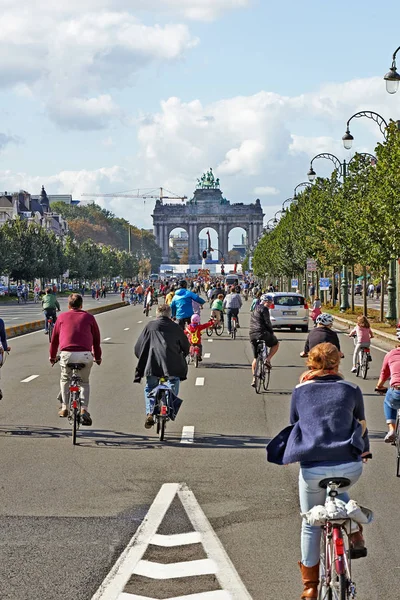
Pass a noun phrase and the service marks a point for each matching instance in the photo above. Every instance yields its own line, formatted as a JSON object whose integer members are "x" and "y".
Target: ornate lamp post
{"x": 392, "y": 77}
{"x": 341, "y": 168}
{"x": 369, "y": 114}
{"x": 294, "y": 197}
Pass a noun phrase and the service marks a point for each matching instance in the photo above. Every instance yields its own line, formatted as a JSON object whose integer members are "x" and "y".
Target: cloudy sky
{"x": 115, "y": 95}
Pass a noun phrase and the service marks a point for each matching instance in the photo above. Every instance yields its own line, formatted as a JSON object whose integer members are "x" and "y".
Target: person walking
{"x": 161, "y": 351}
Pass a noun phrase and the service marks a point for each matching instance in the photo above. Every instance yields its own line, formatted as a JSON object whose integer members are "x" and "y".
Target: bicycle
{"x": 363, "y": 360}
{"x": 164, "y": 409}
{"x": 74, "y": 404}
{"x": 50, "y": 327}
{"x": 217, "y": 327}
{"x": 234, "y": 323}
{"x": 336, "y": 554}
{"x": 396, "y": 441}
{"x": 194, "y": 355}
{"x": 262, "y": 373}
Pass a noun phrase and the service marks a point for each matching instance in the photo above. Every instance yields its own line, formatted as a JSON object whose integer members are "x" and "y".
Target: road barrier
{"x": 24, "y": 328}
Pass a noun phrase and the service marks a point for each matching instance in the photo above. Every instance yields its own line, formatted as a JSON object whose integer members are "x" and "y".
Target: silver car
{"x": 288, "y": 310}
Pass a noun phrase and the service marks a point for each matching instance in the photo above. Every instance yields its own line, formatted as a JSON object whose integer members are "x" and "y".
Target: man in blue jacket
{"x": 181, "y": 305}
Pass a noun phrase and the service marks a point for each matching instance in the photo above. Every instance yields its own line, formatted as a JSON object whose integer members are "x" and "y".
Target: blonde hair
{"x": 362, "y": 321}
{"x": 323, "y": 359}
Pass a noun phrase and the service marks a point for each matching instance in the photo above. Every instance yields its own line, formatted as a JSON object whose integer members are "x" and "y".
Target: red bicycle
{"x": 194, "y": 355}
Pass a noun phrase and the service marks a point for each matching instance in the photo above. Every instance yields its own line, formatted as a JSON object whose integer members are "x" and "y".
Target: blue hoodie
{"x": 181, "y": 304}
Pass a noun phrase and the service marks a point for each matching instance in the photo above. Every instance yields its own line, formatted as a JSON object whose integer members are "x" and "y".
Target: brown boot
{"x": 357, "y": 544}
{"x": 310, "y": 576}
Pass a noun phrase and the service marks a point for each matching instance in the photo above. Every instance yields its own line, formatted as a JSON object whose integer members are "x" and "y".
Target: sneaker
{"x": 86, "y": 419}
{"x": 149, "y": 422}
{"x": 354, "y": 370}
{"x": 46, "y": 332}
{"x": 1, "y": 395}
{"x": 369, "y": 358}
{"x": 63, "y": 412}
{"x": 253, "y": 383}
{"x": 390, "y": 437}
{"x": 357, "y": 545}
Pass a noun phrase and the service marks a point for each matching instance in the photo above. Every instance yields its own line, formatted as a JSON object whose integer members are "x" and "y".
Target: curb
{"x": 376, "y": 332}
{"x": 24, "y": 328}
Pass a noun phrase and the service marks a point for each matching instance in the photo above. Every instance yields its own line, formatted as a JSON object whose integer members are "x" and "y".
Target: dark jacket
{"x": 3, "y": 336}
{"x": 320, "y": 335}
{"x": 161, "y": 349}
{"x": 181, "y": 304}
{"x": 325, "y": 413}
{"x": 217, "y": 292}
{"x": 260, "y": 322}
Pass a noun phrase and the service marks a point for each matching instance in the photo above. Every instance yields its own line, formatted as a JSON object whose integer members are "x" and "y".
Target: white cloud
{"x": 204, "y": 10}
{"x": 266, "y": 190}
{"x": 84, "y": 113}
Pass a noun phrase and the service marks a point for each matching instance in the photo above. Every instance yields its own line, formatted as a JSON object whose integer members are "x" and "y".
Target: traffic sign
{"x": 324, "y": 284}
{"x": 295, "y": 283}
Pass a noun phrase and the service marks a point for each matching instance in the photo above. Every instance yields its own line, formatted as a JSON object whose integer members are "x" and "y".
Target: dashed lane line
{"x": 210, "y": 340}
{"x": 176, "y": 539}
{"x": 140, "y": 321}
{"x": 214, "y": 595}
{"x": 207, "y": 355}
{"x": 199, "y": 381}
{"x": 126, "y": 329}
{"x": 187, "y": 434}
{"x": 30, "y": 378}
{"x": 106, "y": 339}
{"x": 190, "y": 568}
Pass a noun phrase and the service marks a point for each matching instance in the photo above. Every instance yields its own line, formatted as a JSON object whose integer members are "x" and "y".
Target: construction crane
{"x": 145, "y": 193}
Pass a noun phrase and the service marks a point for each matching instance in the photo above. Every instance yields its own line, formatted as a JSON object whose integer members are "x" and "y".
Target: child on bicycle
{"x": 193, "y": 332}
{"x": 362, "y": 331}
{"x": 217, "y": 308}
{"x": 316, "y": 309}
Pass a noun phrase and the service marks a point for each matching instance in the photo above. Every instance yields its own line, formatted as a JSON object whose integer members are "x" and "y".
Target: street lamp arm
{"x": 332, "y": 157}
{"x": 394, "y": 57}
{"x": 284, "y": 202}
{"x": 370, "y": 114}
{"x": 302, "y": 184}
{"x": 372, "y": 158}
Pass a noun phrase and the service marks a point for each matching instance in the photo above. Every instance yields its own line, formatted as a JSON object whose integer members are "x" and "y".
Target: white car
{"x": 288, "y": 310}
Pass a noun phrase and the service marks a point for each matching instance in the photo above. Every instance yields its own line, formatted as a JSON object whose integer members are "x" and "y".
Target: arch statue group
{"x": 207, "y": 208}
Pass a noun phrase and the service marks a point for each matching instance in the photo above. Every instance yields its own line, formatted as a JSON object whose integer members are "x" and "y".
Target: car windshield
{"x": 288, "y": 301}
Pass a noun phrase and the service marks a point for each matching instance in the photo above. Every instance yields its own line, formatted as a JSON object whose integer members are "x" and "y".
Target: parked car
{"x": 3, "y": 290}
{"x": 288, "y": 310}
{"x": 13, "y": 290}
{"x": 358, "y": 288}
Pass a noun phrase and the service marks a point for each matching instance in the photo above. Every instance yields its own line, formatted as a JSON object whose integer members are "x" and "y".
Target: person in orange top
{"x": 193, "y": 331}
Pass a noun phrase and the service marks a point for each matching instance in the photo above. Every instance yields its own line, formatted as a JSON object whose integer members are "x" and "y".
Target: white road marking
{"x": 30, "y": 378}
{"x": 177, "y": 539}
{"x": 187, "y": 434}
{"x": 131, "y": 561}
{"x": 106, "y": 339}
{"x": 199, "y": 381}
{"x": 380, "y": 349}
{"x": 126, "y": 329}
{"x": 210, "y": 340}
{"x": 214, "y": 595}
{"x": 190, "y": 568}
{"x": 140, "y": 321}
{"x": 227, "y": 574}
{"x": 207, "y": 355}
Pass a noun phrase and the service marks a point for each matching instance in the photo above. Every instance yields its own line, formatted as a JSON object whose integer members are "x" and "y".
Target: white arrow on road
{"x": 131, "y": 563}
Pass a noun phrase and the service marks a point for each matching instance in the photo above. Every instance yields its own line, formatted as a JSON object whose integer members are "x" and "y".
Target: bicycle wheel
{"x": 209, "y": 331}
{"x": 267, "y": 377}
{"x": 219, "y": 329}
{"x": 162, "y": 428}
{"x": 196, "y": 360}
{"x": 50, "y": 326}
{"x": 158, "y": 421}
{"x": 324, "y": 592}
{"x": 364, "y": 364}
{"x": 259, "y": 375}
{"x": 234, "y": 329}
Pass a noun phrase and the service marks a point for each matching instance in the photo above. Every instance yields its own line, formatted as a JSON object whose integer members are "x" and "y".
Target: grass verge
{"x": 373, "y": 317}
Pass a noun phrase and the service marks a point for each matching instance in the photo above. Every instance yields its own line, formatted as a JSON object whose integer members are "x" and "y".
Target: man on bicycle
{"x": 161, "y": 351}
{"x": 261, "y": 329}
{"x": 182, "y": 304}
{"x": 232, "y": 303}
{"x": 50, "y": 306}
{"x": 77, "y": 335}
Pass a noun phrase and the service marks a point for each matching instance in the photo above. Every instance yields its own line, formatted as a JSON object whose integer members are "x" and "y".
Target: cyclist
{"x": 50, "y": 306}
{"x": 322, "y": 333}
{"x": 77, "y": 335}
{"x": 232, "y": 303}
{"x": 391, "y": 370}
{"x": 161, "y": 351}
{"x": 193, "y": 332}
{"x": 182, "y": 304}
{"x": 217, "y": 309}
{"x": 364, "y": 334}
{"x": 170, "y": 295}
{"x": 4, "y": 346}
{"x": 261, "y": 329}
{"x": 329, "y": 439}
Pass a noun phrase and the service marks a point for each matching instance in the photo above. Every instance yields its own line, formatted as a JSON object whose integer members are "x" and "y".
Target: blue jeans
{"x": 311, "y": 494}
{"x": 230, "y": 312}
{"x": 391, "y": 404}
{"x": 49, "y": 312}
{"x": 152, "y": 382}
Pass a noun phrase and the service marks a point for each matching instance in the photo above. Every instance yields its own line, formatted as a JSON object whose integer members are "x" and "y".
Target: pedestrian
{"x": 371, "y": 290}
{"x": 311, "y": 292}
{"x": 378, "y": 290}
{"x": 4, "y": 347}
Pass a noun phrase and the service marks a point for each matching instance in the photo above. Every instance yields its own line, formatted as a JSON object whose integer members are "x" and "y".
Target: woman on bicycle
{"x": 362, "y": 331}
{"x": 329, "y": 439}
{"x": 391, "y": 370}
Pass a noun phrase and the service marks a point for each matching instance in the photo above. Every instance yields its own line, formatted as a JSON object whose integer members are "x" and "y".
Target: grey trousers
{"x": 75, "y": 357}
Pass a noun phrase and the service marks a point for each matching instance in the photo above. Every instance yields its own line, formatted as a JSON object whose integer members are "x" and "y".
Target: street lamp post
{"x": 341, "y": 168}
{"x": 392, "y": 77}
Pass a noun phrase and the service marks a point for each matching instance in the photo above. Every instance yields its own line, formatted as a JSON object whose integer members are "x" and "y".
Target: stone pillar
{"x": 223, "y": 240}
{"x": 165, "y": 243}
{"x": 195, "y": 246}
{"x": 250, "y": 237}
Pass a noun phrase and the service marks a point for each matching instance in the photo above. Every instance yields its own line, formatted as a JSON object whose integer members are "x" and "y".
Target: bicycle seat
{"x": 339, "y": 481}
{"x": 76, "y": 366}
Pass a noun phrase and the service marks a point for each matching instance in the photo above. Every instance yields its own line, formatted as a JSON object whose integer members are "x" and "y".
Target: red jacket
{"x": 195, "y": 330}
{"x": 76, "y": 331}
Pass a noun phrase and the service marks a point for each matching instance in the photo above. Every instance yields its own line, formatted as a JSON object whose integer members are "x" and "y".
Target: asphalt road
{"x": 67, "y": 513}
{"x": 17, "y": 314}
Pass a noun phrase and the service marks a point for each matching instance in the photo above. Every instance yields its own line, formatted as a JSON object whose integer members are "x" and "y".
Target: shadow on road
{"x": 225, "y": 366}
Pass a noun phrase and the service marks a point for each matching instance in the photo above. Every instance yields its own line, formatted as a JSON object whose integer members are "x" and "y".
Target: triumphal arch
{"x": 207, "y": 208}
